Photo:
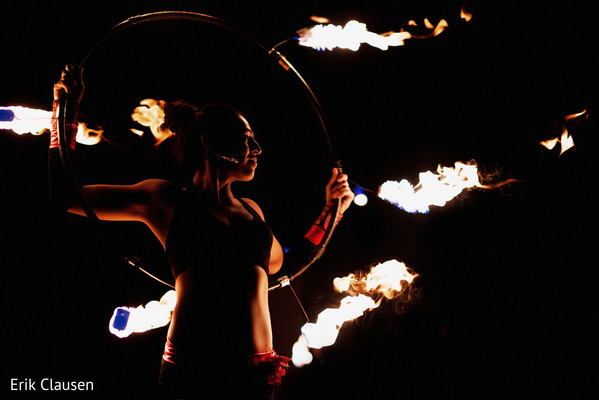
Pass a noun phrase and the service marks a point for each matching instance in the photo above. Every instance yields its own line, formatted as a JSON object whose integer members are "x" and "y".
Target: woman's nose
{"x": 254, "y": 147}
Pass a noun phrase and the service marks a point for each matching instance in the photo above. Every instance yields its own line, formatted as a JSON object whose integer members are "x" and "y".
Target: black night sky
{"x": 504, "y": 305}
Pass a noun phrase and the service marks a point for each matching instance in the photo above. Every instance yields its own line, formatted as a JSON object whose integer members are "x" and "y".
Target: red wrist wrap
{"x": 315, "y": 234}
{"x": 271, "y": 359}
{"x": 169, "y": 352}
{"x": 70, "y": 127}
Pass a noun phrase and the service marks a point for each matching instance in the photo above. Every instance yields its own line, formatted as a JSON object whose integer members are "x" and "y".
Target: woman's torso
{"x": 213, "y": 256}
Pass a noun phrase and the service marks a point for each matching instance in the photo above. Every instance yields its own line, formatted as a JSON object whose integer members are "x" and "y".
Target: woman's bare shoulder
{"x": 161, "y": 191}
{"x": 254, "y": 205}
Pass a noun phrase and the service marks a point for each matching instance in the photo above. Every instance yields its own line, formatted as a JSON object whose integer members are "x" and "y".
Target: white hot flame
{"x": 155, "y": 314}
{"x": 25, "y": 120}
{"x": 387, "y": 279}
{"x": 324, "y": 332}
{"x": 301, "y": 353}
{"x": 354, "y": 33}
{"x": 433, "y": 189}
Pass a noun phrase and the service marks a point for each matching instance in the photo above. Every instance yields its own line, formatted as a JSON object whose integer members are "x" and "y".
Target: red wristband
{"x": 70, "y": 127}
{"x": 315, "y": 234}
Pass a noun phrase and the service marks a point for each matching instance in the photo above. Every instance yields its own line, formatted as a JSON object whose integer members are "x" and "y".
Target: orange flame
{"x": 566, "y": 141}
{"x": 386, "y": 279}
{"x": 155, "y": 314}
{"x": 319, "y": 20}
{"x": 88, "y": 136}
{"x": 150, "y": 113}
{"x": 465, "y": 15}
{"x": 354, "y": 33}
{"x": 433, "y": 189}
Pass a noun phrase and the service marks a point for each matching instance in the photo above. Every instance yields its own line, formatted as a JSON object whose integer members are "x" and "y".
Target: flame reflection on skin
{"x": 386, "y": 280}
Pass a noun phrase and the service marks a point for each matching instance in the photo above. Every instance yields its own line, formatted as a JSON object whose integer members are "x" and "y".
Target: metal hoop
{"x": 204, "y": 19}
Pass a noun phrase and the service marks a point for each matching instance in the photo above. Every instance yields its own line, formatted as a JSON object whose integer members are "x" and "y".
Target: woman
{"x": 219, "y": 248}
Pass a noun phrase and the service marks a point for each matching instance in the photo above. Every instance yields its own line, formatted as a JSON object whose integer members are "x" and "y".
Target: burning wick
{"x": 354, "y": 33}
{"x": 386, "y": 280}
{"x": 155, "y": 314}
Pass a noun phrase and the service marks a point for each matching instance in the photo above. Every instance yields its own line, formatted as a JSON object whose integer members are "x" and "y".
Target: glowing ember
{"x": 354, "y": 33}
{"x": 433, "y": 189}
{"x": 126, "y": 320}
{"x": 25, "y": 120}
{"x": 150, "y": 113}
{"x": 566, "y": 141}
{"x": 319, "y": 20}
{"x": 388, "y": 279}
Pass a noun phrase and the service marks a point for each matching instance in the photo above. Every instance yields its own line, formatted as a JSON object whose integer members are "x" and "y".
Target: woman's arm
{"x": 302, "y": 249}
{"x": 151, "y": 201}
{"x": 337, "y": 188}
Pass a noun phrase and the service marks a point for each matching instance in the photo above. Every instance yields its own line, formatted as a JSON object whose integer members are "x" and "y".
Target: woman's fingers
{"x": 70, "y": 82}
{"x": 333, "y": 177}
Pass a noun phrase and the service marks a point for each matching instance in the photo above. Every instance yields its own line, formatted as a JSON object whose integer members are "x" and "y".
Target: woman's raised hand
{"x": 71, "y": 83}
{"x": 338, "y": 188}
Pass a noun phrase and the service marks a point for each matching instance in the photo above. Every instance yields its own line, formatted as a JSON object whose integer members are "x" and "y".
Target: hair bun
{"x": 180, "y": 116}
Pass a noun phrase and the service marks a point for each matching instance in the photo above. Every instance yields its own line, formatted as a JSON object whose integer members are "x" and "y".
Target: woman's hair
{"x": 195, "y": 128}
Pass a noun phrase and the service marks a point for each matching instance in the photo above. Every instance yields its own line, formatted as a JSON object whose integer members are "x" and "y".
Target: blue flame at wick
{"x": 6, "y": 115}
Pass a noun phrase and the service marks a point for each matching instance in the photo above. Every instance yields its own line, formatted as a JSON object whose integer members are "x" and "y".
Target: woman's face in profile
{"x": 242, "y": 146}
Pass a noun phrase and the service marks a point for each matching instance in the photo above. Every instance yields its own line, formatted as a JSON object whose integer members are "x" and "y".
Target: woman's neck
{"x": 215, "y": 188}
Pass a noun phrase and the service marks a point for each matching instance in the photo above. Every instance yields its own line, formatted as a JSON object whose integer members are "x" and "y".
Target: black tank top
{"x": 197, "y": 239}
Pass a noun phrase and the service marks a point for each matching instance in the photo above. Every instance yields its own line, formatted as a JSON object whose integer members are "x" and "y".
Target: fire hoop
{"x": 209, "y": 20}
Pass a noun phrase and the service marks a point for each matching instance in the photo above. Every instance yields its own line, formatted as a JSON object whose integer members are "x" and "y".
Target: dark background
{"x": 505, "y": 302}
